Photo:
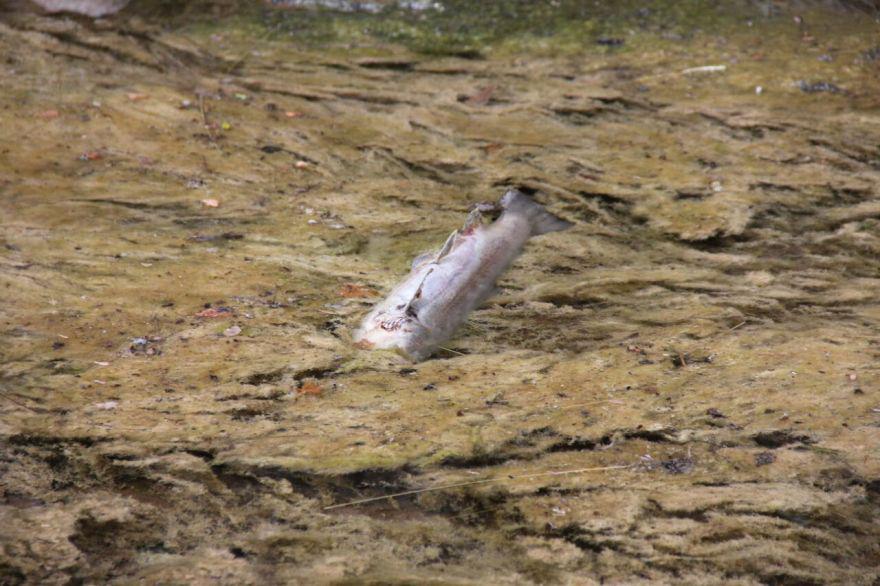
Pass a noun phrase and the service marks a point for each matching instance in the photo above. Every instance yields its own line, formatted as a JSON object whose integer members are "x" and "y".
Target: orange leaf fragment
{"x": 351, "y": 291}
{"x": 310, "y": 388}
{"x": 49, "y": 114}
{"x": 215, "y": 312}
{"x": 91, "y": 156}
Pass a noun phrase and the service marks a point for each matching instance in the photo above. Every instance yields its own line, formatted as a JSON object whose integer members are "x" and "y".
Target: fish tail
{"x": 540, "y": 220}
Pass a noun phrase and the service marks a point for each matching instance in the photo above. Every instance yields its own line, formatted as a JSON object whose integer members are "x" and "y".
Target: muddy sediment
{"x": 681, "y": 388}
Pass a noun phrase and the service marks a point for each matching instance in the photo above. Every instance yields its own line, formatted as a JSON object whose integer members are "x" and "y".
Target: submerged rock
{"x": 817, "y": 87}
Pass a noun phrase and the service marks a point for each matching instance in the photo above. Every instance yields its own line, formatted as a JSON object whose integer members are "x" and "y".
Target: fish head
{"x": 393, "y": 331}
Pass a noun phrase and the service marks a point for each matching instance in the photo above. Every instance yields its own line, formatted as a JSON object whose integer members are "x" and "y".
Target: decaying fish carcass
{"x": 443, "y": 287}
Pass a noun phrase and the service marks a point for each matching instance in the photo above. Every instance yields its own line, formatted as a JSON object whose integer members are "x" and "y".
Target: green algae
{"x": 457, "y": 28}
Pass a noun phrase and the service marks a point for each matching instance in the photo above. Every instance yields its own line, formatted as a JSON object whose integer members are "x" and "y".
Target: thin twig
{"x": 205, "y": 120}
{"x": 16, "y": 401}
{"x": 471, "y": 483}
{"x": 270, "y": 436}
{"x": 238, "y": 63}
{"x": 596, "y": 402}
{"x": 451, "y": 350}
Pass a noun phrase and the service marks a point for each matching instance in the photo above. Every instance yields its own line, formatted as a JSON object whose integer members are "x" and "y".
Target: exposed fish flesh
{"x": 426, "y": 308}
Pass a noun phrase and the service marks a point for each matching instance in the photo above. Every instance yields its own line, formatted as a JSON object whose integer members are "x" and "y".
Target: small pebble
{"x": 764, "y": 458}
{"x": 678, "y": 465}
{"x": 609, "y": 41}
{"x": 232, "y": 331}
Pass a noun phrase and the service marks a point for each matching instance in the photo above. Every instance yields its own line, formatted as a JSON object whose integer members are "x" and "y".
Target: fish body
{"x": 443, "y": 287}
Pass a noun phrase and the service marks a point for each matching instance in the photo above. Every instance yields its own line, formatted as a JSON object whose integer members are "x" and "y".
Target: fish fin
{"x": 540, "y": 220}
{"x": 422, "y": 259}
{"x": 473, "y": 221}
{"x": 487, "y": 207}
{"x": 431, "y": 257}
{"x": 447, "y": 246}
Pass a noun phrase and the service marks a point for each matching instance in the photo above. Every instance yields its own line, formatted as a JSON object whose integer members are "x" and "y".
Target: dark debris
{"x": 764, "y": 458}
{"x": 818, "y": 86}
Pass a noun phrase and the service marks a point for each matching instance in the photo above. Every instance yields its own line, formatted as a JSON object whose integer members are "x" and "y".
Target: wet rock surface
{"x": 681, "y": 388}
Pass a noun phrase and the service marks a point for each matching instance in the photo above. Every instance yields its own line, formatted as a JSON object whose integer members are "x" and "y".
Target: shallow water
{"x": 710, "y": 323}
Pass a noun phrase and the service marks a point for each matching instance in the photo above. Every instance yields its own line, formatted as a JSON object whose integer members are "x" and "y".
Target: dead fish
{"x": 426, "y": 308}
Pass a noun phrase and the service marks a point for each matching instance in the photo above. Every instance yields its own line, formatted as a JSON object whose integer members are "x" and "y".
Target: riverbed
{"x": 684, "y": 387}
